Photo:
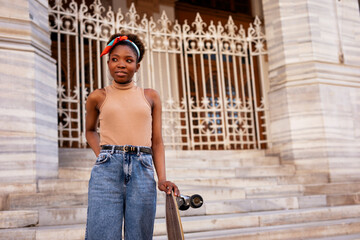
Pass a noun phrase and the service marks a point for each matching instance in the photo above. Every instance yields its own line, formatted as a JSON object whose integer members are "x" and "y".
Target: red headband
{"x": 115, "y": 41}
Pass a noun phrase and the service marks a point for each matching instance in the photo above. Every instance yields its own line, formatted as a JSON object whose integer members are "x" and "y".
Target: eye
{"x": 114, "y": 59}
{"x": 129, "y": 60}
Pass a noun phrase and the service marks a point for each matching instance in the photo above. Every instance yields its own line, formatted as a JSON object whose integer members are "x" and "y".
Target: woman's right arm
{"x": 92, "y": 115}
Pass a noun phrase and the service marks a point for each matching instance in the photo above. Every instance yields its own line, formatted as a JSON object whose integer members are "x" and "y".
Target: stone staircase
{"x": 247, "y": 194}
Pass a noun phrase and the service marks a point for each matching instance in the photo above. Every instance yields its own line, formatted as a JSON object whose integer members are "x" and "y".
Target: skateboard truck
{"x": 185, "y": 202}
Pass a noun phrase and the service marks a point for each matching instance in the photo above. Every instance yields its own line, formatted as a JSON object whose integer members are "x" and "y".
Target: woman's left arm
{"x": 157, "y": 143}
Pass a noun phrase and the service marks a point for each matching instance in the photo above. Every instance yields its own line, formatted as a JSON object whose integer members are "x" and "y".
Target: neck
{"x": 123, "y": 86}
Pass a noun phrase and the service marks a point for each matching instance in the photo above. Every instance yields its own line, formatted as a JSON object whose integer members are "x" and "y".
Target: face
{"x": 122, "y": 64}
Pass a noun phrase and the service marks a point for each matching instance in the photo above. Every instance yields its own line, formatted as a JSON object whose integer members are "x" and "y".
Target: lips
{"x": 120, "y": 73}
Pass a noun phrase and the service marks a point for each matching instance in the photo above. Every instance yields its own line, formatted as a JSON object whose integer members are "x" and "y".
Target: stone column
{"x": 28, "y": 105}
{"x": 314, "y": 72}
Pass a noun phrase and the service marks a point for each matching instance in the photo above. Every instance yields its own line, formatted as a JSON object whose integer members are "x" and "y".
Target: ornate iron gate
{"x": 212, "y": 80}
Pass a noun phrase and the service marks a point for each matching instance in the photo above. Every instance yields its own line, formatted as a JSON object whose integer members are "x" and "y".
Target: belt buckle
{"x": 129, "y": 149}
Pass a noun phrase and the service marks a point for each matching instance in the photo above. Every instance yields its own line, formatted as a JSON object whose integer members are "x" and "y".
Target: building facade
{"x": 290, "y": 86}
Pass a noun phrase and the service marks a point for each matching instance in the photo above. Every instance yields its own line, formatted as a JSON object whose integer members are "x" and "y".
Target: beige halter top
{"x": 125, "y": 116}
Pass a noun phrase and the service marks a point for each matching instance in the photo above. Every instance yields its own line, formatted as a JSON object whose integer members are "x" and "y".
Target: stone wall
{"x": 314, "y": 72}
{"x": 28, "y": 108}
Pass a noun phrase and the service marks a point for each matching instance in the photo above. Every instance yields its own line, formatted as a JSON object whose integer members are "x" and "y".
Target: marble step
{"x": 343, "y": 199}
{"x": 210, "y": 189}
{"x": 303, "y": 179}
{"x": 226, "y": 182}
{"x": 307, "y": 215}
{"x": 81, "y": 186}
{"x": 77, "y": 215}
{"x": 79, "y": 173}
{"x": 62, "y": 216}
{"x": 18, "y": 233}
{"x": 85, "y": 158}
{"x": 86, "y": 154}
{"x": 63, "y": 185}
{"x": 228, "y": 154}
{"x": 84, "y": 173}
{"x": 237, "y": 199}
{"x": 332, "y": 188}
{"x": 6, "y": 188}
{"x": 215, "y": 162}
{"x": 23, "y": 201}
{"x": 269, "y": 171}
{"x": 18, "y": 219}
{"x": 262, "y": 219}
{"x": 272, "y": 221}
{"x": 208, "y": 193}
{"x": 334, "y": 193}
{"x": 344, "y": 237}
{"x": 338, "y": 193}
{"x": 220, "y": 206}
{"x": 9, "y": 188}
{"x": 274, "y": 191}
{"x": 68, "y": 232}
{"x": 344, "y": 229}
{"x": 72, "y": 209}
{"x": 56, "y": 200}
{"x": 191, "y": 162}
{"x": 55, "y": 186}
{"x": 264, "y": 180}
{"x": 254, "y": 205}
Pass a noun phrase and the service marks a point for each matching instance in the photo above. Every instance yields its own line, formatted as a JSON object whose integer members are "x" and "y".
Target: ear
{"x": 137, "y": 67}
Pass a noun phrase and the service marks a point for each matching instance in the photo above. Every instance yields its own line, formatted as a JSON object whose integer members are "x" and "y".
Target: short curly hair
{"x": 132, "y": 37}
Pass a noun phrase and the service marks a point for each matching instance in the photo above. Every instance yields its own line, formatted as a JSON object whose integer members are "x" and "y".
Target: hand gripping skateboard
{"x": 173, "y": 220}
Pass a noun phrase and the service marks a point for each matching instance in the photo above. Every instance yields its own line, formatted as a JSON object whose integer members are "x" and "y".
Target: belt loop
{"x": 138, "y": 150}
{"x": 112, "y": 149}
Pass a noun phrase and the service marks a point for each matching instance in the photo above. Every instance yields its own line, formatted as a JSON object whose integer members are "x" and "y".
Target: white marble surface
{"x": 314, "y": 97}
{"x": 28, "y": 106}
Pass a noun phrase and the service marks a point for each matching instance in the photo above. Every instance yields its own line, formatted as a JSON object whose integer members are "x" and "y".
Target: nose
{"x": 121, "y": 64}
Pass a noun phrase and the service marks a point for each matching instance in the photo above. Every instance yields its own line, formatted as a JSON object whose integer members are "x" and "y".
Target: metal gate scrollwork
{"x": 211, "y": 79}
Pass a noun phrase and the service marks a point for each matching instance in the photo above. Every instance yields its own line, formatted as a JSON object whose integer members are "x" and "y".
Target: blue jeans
{"x": 121, "y": 189}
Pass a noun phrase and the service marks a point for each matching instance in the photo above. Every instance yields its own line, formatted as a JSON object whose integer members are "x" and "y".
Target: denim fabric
{"x": 121, "y": 189}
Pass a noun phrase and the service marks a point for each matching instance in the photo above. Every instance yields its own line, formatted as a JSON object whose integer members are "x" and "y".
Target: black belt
{"x": 128, "y": 149}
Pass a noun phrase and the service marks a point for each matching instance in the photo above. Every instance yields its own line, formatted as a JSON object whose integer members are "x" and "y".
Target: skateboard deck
{"x": 173, "y": 221}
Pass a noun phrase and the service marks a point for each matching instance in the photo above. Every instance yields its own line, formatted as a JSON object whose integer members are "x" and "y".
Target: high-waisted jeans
{"x": 121, "y": 189}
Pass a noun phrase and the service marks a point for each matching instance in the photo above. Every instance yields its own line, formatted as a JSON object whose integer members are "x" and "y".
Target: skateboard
{"x": 173, "y": 221}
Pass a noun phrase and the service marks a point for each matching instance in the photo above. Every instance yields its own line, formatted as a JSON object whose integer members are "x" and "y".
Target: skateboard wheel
{"x": 196, "y": 201}
{"x": 185, "y": 202}
{"x": 182, "y": 203}
{"x": 184, "y": 207}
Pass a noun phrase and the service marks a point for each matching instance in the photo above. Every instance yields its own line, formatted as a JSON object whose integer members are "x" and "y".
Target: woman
{"x": 122, "y": 186}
